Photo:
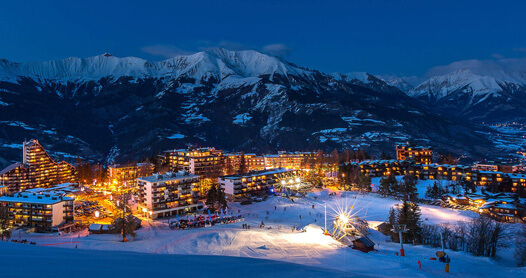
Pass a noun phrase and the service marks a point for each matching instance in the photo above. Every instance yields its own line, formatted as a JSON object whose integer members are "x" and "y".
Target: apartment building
{"x": 37, "y": 169}
{"x": 419, "y": 154}
{"x": 44, "y": 211}
{"x": 128, "y": 173}
{"x": 249, "y": 161}
{"x": 498, "y": 167}
{"x": 290, "y": 160}
{"x": 256, "y": 182}
{"x": 377, "y": 168}
{"x": 164, "y": 195}
{"x": 204, "y": 162}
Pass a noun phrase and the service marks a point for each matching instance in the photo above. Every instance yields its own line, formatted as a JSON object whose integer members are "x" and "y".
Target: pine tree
{"x": 435, "y": 191}
{"x": 363, "y": 182}
{"x": 221, "y": 198}
{"x": 409, "y": 215}
{"x": 408, "y": 187}
{"x": 414, "y": 226}
{"x": 388, "y": 185}
{"x": 392, "y": 217}
{"x": 211, "y": 197}
{"x": 520, "y": 247}
{"x": 384, "y": 188}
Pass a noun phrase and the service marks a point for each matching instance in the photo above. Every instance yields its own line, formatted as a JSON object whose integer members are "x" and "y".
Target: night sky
{"x": 381, "y": 37}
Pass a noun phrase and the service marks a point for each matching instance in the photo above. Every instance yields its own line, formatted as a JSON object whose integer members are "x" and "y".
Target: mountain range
{"x": 114, "y": 109}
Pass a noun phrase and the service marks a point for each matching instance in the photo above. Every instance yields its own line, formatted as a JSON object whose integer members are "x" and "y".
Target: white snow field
{"x": 21, "y": 260}
{"x": 320, "y": 255}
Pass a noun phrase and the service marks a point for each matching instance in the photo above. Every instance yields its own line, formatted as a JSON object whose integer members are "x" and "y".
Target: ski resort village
{"x": 233, "y": 139}
{"x": 411, "y": 212}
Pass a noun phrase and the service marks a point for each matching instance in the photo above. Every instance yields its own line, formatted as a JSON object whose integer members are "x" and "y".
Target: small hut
{"x": 363, "y": 244}
{"x": 95, "y": 229}
{"x": 384, "y": 228}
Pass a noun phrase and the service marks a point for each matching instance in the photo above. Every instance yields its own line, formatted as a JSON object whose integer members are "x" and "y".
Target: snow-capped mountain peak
{"x": 480, "y": 90}
{"x": 218, "y": 63}
{"x": 466, "y": 81}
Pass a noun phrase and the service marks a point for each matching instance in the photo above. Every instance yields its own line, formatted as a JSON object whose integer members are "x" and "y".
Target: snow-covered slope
{"x": 158, "y": 251}
{"x": 465, "y": 81}
{"x": 62, "y": 262}
{"x": 234, "y": 100}
{"x": 217, "y": 63}
{"x": 481, "y": 91}
{"x": 403, "y": 84}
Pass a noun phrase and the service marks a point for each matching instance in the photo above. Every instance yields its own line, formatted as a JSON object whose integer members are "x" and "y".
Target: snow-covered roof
{"x": 95, "y": 227}
{"x": 258, "y": 173}
{"x": 167, "y": 177}
{"x": 11, "y": 167}
{"x": 33, "y": 198}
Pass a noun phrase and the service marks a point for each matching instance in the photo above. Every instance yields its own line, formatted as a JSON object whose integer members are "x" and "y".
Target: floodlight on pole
{"x": 325, "y": 218}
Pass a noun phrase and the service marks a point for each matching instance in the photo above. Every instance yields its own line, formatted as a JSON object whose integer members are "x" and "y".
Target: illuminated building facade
{"x": 37, "y": 170}
{"x": 419, "y": 154}
{"x": 234, "y": 161}
{"x": 204, "y": 162}
{"x": 43, "y": 211}
{"x": 128, "y": 173}
{"x": 3, "y": 190}
{"x": 290, "y": 160}
{"x": 498, "y": 167}
{"x": 253, "y": 183}
{"x": 377, "y": 168}
{"x": 504, "y": 182}
{"x": 169, "y": 194}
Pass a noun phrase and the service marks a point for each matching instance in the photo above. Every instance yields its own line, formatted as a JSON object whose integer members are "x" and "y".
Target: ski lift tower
{"x": 400, "y": 228}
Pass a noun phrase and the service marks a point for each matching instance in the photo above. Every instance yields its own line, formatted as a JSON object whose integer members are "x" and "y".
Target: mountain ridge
{"x": 235, "y": 100}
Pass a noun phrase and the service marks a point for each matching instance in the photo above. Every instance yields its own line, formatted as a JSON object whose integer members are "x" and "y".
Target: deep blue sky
{"x": 382, "y": 37}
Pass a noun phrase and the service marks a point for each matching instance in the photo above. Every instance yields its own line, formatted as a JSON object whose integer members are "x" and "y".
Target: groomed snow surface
{"x": 286, "y": 253}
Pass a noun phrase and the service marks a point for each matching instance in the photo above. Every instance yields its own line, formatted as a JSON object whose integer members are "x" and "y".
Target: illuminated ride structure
{"x": 346, "y": 228}
{"x": 292, "y": 184}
